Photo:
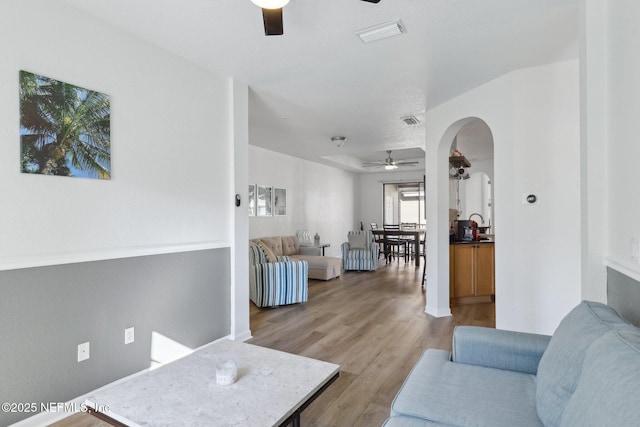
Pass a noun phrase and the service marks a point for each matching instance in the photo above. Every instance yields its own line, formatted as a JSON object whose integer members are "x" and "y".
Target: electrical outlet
{"x": 83, "y": 351}
{"x": 129, "y": 335}
{"x": 635, "y": 250}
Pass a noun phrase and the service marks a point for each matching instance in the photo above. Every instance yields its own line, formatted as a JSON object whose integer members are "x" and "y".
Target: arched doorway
{"x": 471, "y": 263}
{"x": 472, "y": 191}
{"x": 438, "y": 216}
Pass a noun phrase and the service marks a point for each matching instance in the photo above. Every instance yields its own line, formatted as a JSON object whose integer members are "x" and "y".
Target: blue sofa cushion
{"x": 496, "y": 348}
{"x": 449, "y": 393}
{"x": 561, "y": 363}
{"x": 608, "y": 391}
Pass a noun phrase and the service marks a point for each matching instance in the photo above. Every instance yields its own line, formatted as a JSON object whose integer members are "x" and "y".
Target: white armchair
{"x": 360, "y": 252}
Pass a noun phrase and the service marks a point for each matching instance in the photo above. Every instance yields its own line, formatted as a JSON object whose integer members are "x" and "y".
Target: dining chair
{"x": 394, "y": 243}
{"x": 410, "y": 226}
{"x": 377, "y": 238}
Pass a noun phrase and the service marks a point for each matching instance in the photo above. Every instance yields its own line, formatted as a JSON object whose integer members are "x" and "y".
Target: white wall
{"x": 547, "y": 236}
{"x": 622, "y": 65}
{"x": 478, "y": 195}
{"x": 240, "y": 325}
{"x": 593, "y": 151}
{"x": 320, "y": 198}
{"x": 170, "y": 126}
{"x": 533, "y": 115}
{"x": 171, "y": 191}
{"x": 477, "y": 191}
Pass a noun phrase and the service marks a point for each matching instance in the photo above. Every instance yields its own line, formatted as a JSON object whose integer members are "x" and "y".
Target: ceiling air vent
{"x": 381, "y": 31}
{"x": 410, "y": 121}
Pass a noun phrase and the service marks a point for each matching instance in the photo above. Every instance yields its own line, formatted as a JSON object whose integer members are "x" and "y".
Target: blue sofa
{"x": 586, "y": 374}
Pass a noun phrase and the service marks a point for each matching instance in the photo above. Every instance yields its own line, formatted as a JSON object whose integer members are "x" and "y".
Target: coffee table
{"x": 272, "y": 389}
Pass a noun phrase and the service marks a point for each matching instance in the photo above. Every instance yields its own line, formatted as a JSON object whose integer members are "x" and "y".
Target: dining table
{"x": 416, "y": 235}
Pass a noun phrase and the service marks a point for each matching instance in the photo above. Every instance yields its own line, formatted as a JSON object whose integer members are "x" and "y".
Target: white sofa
{"x": 320, "y": 267}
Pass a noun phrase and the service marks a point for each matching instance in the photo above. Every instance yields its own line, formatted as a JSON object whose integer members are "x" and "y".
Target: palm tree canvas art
{"x": 64, "y": 129}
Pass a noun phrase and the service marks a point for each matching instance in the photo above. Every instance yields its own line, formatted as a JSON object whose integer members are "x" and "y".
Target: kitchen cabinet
{"x": 471, "y": 272}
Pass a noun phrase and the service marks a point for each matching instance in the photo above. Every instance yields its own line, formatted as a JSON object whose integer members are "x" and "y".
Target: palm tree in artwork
{"x": 65, "y": 130}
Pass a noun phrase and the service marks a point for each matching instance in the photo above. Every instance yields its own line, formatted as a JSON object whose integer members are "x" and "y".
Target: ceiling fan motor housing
{"x": 272, "y": 15}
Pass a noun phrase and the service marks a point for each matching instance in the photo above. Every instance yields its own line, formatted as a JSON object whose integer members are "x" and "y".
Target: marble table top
{"x": 271, "y": 386}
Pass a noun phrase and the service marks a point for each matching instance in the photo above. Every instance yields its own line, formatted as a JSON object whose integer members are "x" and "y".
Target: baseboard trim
{"x": 472, "y": 300}
{"x": 437, "y": 312}
{"x": 242, "y": 336}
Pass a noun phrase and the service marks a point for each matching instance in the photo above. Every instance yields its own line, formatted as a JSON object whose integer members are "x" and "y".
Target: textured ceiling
{"x": 319, "y": 80}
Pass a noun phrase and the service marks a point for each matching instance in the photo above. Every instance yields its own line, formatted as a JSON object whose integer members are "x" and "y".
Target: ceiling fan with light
{"x": 389, "y": 163}
{"x": 272, "y": 15}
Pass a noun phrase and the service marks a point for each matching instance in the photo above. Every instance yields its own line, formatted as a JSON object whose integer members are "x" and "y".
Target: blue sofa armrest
{"x": 375, "y": 250}
{"x": 496, "y": 348}
{"x": 344, "y": 247}
{"x": 278, "y": 283}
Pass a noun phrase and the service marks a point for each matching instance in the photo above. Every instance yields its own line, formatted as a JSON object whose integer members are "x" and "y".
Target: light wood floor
{"x": 370, "y": 323}
{"x": 373, "y": 325}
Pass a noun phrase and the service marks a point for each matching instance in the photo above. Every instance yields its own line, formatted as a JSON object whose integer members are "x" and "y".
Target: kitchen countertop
{"x": 490, "y": 239}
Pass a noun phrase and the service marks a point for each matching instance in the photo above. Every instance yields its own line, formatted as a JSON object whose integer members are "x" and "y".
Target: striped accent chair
{"x": 276, "y": 282}
{"x": 360, "y": 252}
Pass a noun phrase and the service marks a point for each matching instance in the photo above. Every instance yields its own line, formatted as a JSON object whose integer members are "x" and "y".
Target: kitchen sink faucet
{"x": 481, "y": 218}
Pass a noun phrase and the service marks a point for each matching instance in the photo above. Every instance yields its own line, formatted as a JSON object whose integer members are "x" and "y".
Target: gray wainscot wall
{"x": 45, "y": 312}
{"x": 623, "y": 294}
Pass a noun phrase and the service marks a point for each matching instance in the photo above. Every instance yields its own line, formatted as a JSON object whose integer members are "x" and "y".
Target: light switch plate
{"x": 635, "y": 250}
{"x": 530, "y": 199}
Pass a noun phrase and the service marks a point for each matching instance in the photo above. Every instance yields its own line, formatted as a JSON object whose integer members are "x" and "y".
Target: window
{"x": 404, "y": 203}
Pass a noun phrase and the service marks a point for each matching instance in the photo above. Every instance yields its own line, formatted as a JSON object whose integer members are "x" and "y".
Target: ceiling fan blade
{"x": 389, "y": 162}
{"x": 372, "y": 1}
{"x": 272, "y": 19}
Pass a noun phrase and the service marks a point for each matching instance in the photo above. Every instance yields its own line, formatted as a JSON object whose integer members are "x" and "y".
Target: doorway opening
{"x": 471, "y": 185}
{"x": 403, "y": 203}
{"x": 471, "y": 215}
{"x": 474, "y": 197}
